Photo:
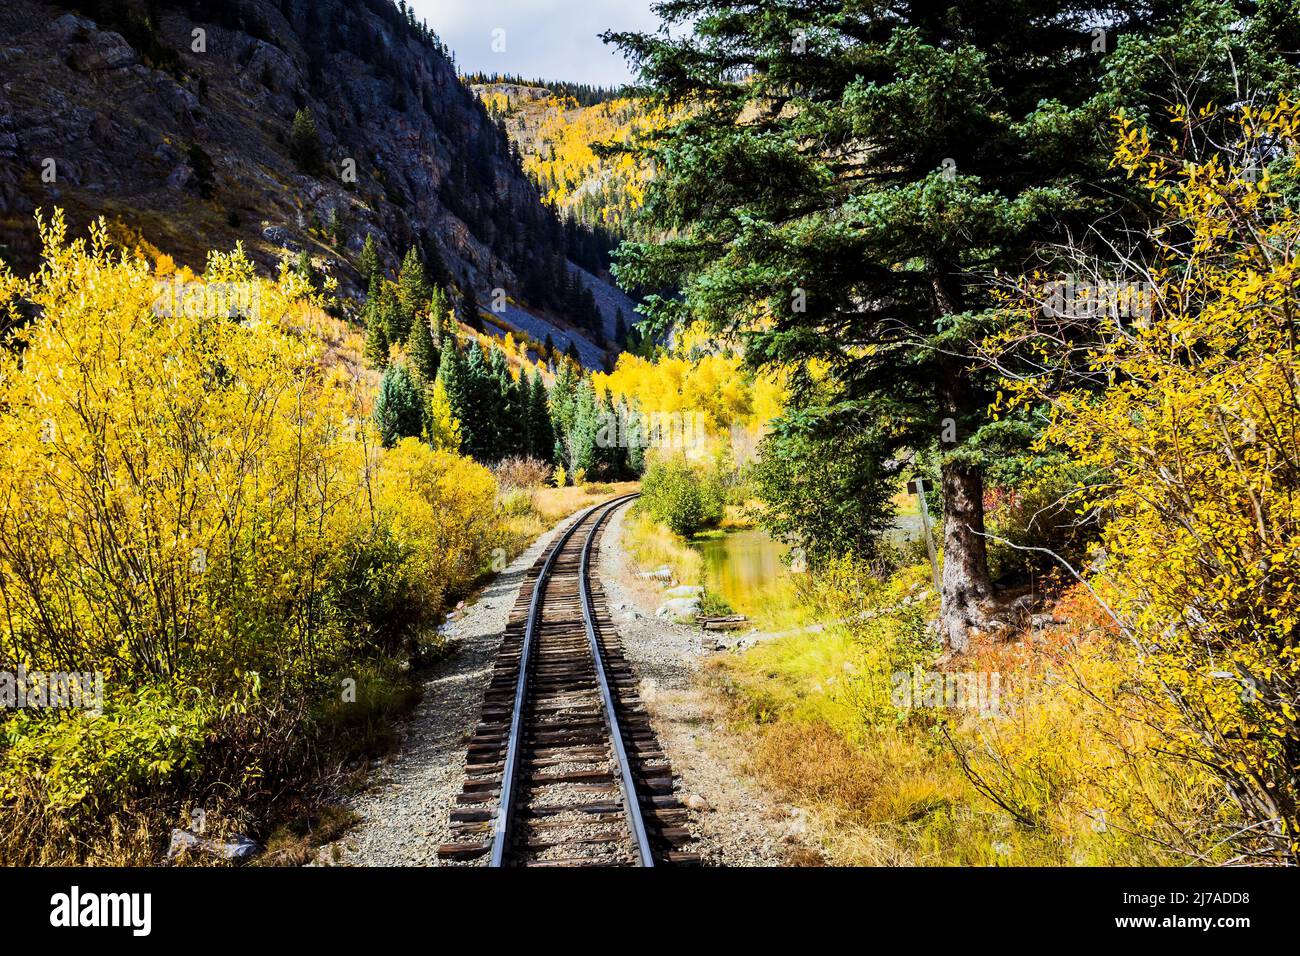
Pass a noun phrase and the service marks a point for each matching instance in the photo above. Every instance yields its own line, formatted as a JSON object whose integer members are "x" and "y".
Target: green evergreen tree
{"x": 482, "y": 420}
{"x": 454, "y": 378}
{"x": 511, "y": 409}
{"x": 954, "y": 140}
{"x": 439, "y": 310}
{"x": 422, "y": 352}
{"x": 636, "y": 439}
{"x": 381, "y": 306}
{"x": 399, "y": 407}
{"x": 304, "y": 143}
{"x": 563, "y": 399}
{"x": 368, "y": 263}
{"x": 580, "y": 441}
{"x": 377, "y": 343}
{"x": 412, "y": 286}
{"x": 611, "y": 453}
{"x": 334, "y": 227}
{"x": 541, "y": 436}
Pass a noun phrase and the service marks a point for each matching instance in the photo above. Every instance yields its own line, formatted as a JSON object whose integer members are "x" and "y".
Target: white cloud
{"x": 551, "y": 39}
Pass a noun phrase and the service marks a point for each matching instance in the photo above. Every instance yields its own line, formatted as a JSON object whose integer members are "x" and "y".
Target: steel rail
{"x": 631, "y": 805}
{"x": 501, "y": 829}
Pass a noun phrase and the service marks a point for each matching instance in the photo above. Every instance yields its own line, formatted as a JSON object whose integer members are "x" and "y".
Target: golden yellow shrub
{"x": 196, "y": 506}
{"x": 1195, "y": 437}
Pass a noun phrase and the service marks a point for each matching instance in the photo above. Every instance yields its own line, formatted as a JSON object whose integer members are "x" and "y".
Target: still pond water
{"x": 747, "y": 569}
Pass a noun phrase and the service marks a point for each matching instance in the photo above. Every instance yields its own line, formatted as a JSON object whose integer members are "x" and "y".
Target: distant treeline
{"x": 584, "y": 93}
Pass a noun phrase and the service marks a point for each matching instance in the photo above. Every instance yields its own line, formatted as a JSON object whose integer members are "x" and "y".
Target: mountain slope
{"x": 183, "y": 139}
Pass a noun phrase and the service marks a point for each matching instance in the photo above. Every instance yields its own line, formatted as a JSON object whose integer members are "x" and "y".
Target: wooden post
{"x": 919, "y": 487}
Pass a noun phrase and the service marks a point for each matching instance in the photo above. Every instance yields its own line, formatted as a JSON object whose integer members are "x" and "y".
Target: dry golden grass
{"x": 528, "y": 513}
{"x": 1089, "y": 786}
{"x": 125, "y": 839}
{"x": 555, "y": 504}
{"x": 652, "y": 545}
{"x": 298, "y": 841}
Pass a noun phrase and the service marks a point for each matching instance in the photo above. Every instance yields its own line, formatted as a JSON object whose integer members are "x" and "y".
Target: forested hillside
{"x": 570, "y": 141}
{"x": 293, "y": 126}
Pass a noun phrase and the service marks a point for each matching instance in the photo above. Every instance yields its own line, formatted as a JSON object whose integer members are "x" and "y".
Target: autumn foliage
{"x": 197, "y": 507}
{"x": 1194, "y": 440}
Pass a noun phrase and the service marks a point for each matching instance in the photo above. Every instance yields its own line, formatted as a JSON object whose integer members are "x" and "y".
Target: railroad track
{"x": 564, "y": 768}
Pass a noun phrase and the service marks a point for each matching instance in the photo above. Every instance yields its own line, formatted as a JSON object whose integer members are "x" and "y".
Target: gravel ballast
{"x": 404, "y": 814}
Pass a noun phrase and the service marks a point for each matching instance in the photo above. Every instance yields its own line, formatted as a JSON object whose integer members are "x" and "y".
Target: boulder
{"x": 277, "y": 235}
{"x": 679, "y": 607}
{"x": 684, "y": 591}
{"x": 70, "y": 26}
{"x": 101, "y": 51}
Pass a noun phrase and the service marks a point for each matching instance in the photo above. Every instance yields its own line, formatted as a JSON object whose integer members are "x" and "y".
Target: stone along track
{"x": 564, "y": 768}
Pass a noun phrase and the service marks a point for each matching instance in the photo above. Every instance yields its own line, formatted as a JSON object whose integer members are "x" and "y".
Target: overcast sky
{"x": 550, "y": 39}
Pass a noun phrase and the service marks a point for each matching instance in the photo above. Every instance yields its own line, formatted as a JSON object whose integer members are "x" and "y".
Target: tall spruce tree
{"x": 580, "y": 441}
{"x": 636, "y": 438}
{"x": 509, "y": 410}
{"x": 412, "y": 287}
{"x": 439, "y": 314}
{"x": 382, "y": 308}
{"x": 368, "y": 263}
{"x": 482, "y": 417}
{"x": 610, "y": 456}
{"x": 422, "y": 352}
{"x": 304, "y": 143}
{"x": 563, "y": 399}
{"x": 399, "y": 408}
{"x": 850, "y": 175}
{"x": 377, "y": 342}
{"x": 454, "y": 379}
{"x": 540, "y": 433}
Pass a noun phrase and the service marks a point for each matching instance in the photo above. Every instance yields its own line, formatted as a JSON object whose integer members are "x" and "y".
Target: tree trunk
{"x": 965, "y": 558}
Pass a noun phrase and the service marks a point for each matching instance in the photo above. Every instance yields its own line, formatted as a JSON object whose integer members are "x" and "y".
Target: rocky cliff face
{"x": 173, "y": 118}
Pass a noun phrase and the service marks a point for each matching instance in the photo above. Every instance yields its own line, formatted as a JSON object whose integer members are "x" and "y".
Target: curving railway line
{"x": 563, "y": 768}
